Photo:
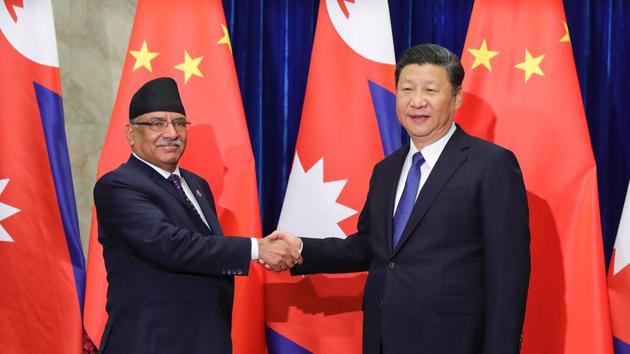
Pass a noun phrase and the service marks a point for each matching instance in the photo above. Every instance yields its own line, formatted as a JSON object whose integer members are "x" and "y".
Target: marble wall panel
{"x": 92, "y": 39}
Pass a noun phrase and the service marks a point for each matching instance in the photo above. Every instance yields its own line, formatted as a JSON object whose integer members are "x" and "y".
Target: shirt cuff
{"x": 254, "y": 252}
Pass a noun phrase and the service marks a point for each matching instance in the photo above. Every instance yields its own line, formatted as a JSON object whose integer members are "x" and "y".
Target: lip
{"x": 169, "y": 148}
{"x": 419, "y": 117}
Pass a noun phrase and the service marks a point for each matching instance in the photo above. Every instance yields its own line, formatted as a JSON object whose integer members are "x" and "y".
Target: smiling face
{"x": 426, "y": 102}
{"x": 161, "y": 148}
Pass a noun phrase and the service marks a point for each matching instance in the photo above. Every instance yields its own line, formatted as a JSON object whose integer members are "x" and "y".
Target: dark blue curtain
{"x": 272, "y": 42}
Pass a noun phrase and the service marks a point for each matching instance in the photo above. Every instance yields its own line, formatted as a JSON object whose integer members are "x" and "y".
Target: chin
{"x": 421, "y": 133}
{"x": 172, "y": 159}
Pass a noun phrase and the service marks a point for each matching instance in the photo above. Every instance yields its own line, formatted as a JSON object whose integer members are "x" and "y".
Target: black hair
{"x": 433, "y": 54}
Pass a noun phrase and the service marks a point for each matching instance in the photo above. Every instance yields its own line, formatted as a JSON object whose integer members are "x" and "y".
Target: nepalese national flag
{"x": 521, "y": 91}
{"x": 619, "y": 282}
{"x": 348, "y": 125}
{"x": 42, "y": 270}
{"x": 189, "y": 41}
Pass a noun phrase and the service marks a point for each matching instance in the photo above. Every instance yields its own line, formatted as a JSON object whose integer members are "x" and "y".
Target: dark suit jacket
{"x": 170, "y": 278}
{"x": 457, "y": 281}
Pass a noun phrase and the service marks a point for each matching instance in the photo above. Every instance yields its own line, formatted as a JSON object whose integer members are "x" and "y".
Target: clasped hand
{"x": 279, "y": 251}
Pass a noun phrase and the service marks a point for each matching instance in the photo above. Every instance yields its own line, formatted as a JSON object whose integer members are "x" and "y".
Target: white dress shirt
{"x": 191, "y": 197}
{"x": 431, "y": 154}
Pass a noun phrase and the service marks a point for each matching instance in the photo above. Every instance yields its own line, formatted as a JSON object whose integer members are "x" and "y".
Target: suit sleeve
{"x": 333, "y": 255}
{"x": 129, "y": 216}
{"x": 505, "y": 229}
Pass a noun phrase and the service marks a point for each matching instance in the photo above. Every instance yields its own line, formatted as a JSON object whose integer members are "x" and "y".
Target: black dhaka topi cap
{"x": 158, "y": 95}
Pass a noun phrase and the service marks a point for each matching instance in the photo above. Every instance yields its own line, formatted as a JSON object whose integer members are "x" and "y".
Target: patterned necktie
{"x": 407, "y": 199}
{"x": 177, "y": 182}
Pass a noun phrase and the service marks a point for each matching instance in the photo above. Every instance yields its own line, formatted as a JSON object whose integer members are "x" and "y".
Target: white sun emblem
{"x": 5, "y": 212}
{"x": 310, "y": 206}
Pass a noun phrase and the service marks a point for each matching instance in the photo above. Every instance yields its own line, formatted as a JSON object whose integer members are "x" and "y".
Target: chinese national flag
{"x": 521, "y": 91}
{"x": 348, "y": 122}
{"x": 189, "y": 42}
{"x": 42, "y": 271}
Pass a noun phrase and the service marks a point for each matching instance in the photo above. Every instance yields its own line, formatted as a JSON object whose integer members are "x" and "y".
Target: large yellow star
{"x": 531, "y": 65}
{"x": 566, "y": 37}
{"x": 190, "y": 66}
{"x": 143, "y": 57}
{"x": 482, "y": 56}
{"x": 226, "y": 38}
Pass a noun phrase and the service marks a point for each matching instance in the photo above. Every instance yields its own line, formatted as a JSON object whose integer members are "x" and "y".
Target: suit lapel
{"x": 157, "y": 179}
{"x": 163, "y": 183}
{"x": 452, "y": 157}
{"x": 202, "y": 200}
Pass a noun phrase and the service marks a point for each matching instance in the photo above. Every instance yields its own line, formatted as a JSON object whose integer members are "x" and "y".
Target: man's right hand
{"x": 292, "y": 240}
{"x": 276, "y": 254}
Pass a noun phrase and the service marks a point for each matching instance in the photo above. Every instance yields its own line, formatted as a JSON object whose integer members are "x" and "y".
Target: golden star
{"x": 531, "y": 65}
{"x": 226, "y": 38}
{"x": 143, "y": 57}
{"x": 566, "y": 37}
{"x": 483, "y": 56}
{"x": 190, "y": 66}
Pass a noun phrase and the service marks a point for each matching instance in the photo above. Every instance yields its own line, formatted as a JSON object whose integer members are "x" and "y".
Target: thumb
{"x": 275, "y": 236}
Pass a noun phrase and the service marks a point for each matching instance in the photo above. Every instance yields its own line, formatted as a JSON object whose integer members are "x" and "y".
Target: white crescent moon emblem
{"x": 367, "y": 29}
{"x": 33, "y": 34}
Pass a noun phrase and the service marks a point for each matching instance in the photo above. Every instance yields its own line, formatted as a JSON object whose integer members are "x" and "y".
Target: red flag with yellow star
{"x": 521, "y": 91}
{"x": 189, "y": 42}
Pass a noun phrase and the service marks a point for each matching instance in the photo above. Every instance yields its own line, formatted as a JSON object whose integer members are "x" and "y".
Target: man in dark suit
{"x": 169, "y": 267}
{"x": 444, "y": 231}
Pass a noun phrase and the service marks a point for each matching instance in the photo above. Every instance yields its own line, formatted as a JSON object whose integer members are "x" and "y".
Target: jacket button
{"x": 391, "y": 265}
{"x": 380, "y": 304}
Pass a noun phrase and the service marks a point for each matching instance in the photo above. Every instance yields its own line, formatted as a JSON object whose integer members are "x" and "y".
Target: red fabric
{"x": 619, "y": 278}
{"x": 322, "y": 313}
{"x": 39, "y": 305}
{"x": 542, "y": 121}
{"x": 619, "y": 295}
{"x": 218, "y": 141}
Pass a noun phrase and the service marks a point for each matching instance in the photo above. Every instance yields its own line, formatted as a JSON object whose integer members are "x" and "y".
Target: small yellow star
{"x": 143, "y": 57}
{"x": 190, "y": 66}
{"x": 566, "y": 37}
{"x": 531, "y": 65}
{"x": 226, "y": 38}
{"x": 483, "y": 56}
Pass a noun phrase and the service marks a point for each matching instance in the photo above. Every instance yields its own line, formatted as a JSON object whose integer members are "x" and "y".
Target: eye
{"x": 158, "y": 123}
{"x": 179, "y": 123}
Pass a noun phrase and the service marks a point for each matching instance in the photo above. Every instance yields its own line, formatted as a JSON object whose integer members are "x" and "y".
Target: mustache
{"x": 169, "y": 142}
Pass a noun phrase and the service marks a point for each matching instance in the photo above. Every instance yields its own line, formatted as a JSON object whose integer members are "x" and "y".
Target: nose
{"x": 418, "y": 99}
{"x": 170, "y": 130}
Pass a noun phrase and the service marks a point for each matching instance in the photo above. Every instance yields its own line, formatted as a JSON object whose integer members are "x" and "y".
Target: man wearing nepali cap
{"x": 169, "y": 267}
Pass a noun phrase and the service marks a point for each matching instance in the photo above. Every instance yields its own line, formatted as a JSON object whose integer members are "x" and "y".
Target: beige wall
{"x": 92, "y": 38}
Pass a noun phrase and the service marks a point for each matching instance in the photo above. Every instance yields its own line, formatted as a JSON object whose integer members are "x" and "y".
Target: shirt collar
{"x": 162, "y": 172}
{"x": 432, "y": 152}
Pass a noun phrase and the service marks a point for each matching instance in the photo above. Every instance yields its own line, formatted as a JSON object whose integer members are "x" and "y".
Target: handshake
{"x": 279, "y": 251}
